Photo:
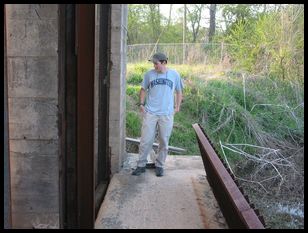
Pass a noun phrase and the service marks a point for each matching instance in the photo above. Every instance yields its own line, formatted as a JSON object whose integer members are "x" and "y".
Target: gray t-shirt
{"x": 160, "y": 89}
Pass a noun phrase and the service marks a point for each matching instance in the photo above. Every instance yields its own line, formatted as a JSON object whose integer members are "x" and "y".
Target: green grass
{"x": 133, "y": 124}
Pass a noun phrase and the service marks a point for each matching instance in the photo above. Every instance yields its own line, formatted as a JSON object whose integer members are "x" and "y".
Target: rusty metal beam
{"x": 85, "y": 31}
{"x": 236, "y": 209}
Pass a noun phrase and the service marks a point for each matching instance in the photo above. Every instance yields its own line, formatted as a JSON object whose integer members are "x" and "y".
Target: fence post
{"x": 184, "y": 53}
{"x": 221, "y": 51}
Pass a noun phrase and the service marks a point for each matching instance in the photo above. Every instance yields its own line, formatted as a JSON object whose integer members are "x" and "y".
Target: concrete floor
{"x": 181, "y": 199}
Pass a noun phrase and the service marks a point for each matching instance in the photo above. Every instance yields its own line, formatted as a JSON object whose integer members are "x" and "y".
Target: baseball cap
{"x": 158, "y": 57}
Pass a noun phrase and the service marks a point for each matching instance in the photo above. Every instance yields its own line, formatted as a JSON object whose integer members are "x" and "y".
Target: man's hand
{"x": 178, "y": 101}
{"x": 142, "y": 109}
{"x": 177, "y": 109}
{"x": 141, "y": 100}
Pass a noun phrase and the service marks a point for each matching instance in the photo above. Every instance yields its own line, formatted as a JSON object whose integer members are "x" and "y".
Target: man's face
{"x": 158, "y": 65}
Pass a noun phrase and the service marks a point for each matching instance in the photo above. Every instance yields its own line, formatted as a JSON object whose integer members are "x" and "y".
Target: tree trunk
{"x": 169, "y": 19}
{"x": 184, "y": 33}
{"x": 212, "y": 21}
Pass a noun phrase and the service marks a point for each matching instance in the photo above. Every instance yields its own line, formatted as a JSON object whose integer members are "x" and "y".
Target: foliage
{"x": 135, "y": 73}
{"x": 235, "y": 13}
{"x": 144, "y": 23}
{"x": 274, "y": 49}
{"x": 133, "y": 125}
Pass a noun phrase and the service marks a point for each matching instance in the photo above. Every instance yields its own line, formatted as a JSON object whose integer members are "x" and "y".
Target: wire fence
{"x": 180, "y": 53}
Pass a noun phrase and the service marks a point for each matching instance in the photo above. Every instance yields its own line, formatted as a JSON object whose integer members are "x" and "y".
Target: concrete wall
{"x": 117, "y": 102}
{"x": 32, "y": 66}
{"x": 7, "y": 180}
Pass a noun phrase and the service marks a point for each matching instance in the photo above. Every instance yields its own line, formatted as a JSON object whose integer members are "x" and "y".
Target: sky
{"x": 164, "y": 8}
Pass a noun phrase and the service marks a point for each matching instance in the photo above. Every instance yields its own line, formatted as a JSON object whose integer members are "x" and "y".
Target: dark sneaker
{"x": 159, "y": 171}
{"x": 138, "y": 171}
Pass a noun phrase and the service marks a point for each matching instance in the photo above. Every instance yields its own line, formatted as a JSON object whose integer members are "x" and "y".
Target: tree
{"x": 154, "y": 21}
{"x": 194, "y": 17}
{"x": 234, "y": 13}
{"x": 137, "y": 21}
{"x": 169, "y": 19}
{"x": 212, "y": 21}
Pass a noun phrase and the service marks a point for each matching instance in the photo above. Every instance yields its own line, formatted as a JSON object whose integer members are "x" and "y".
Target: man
{"x": 158, "y": 88}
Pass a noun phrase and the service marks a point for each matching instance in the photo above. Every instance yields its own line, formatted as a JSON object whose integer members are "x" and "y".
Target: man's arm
{"x": 141, "y": 99}
{"x": 178, "y": 101}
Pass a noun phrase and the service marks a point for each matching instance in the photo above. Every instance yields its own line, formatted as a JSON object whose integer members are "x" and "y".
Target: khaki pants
{"x": 165, "y": 125}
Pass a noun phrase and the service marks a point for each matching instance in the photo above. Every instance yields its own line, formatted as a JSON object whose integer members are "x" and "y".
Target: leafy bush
{"x": 263, "y": 47}
{"x": 132, "y": 91}
{"x": 133, "y": 124}
{"x": 135, "y": 73}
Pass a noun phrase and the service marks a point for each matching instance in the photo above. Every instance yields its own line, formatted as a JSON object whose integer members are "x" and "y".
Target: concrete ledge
{"x": 181, "y": 199}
